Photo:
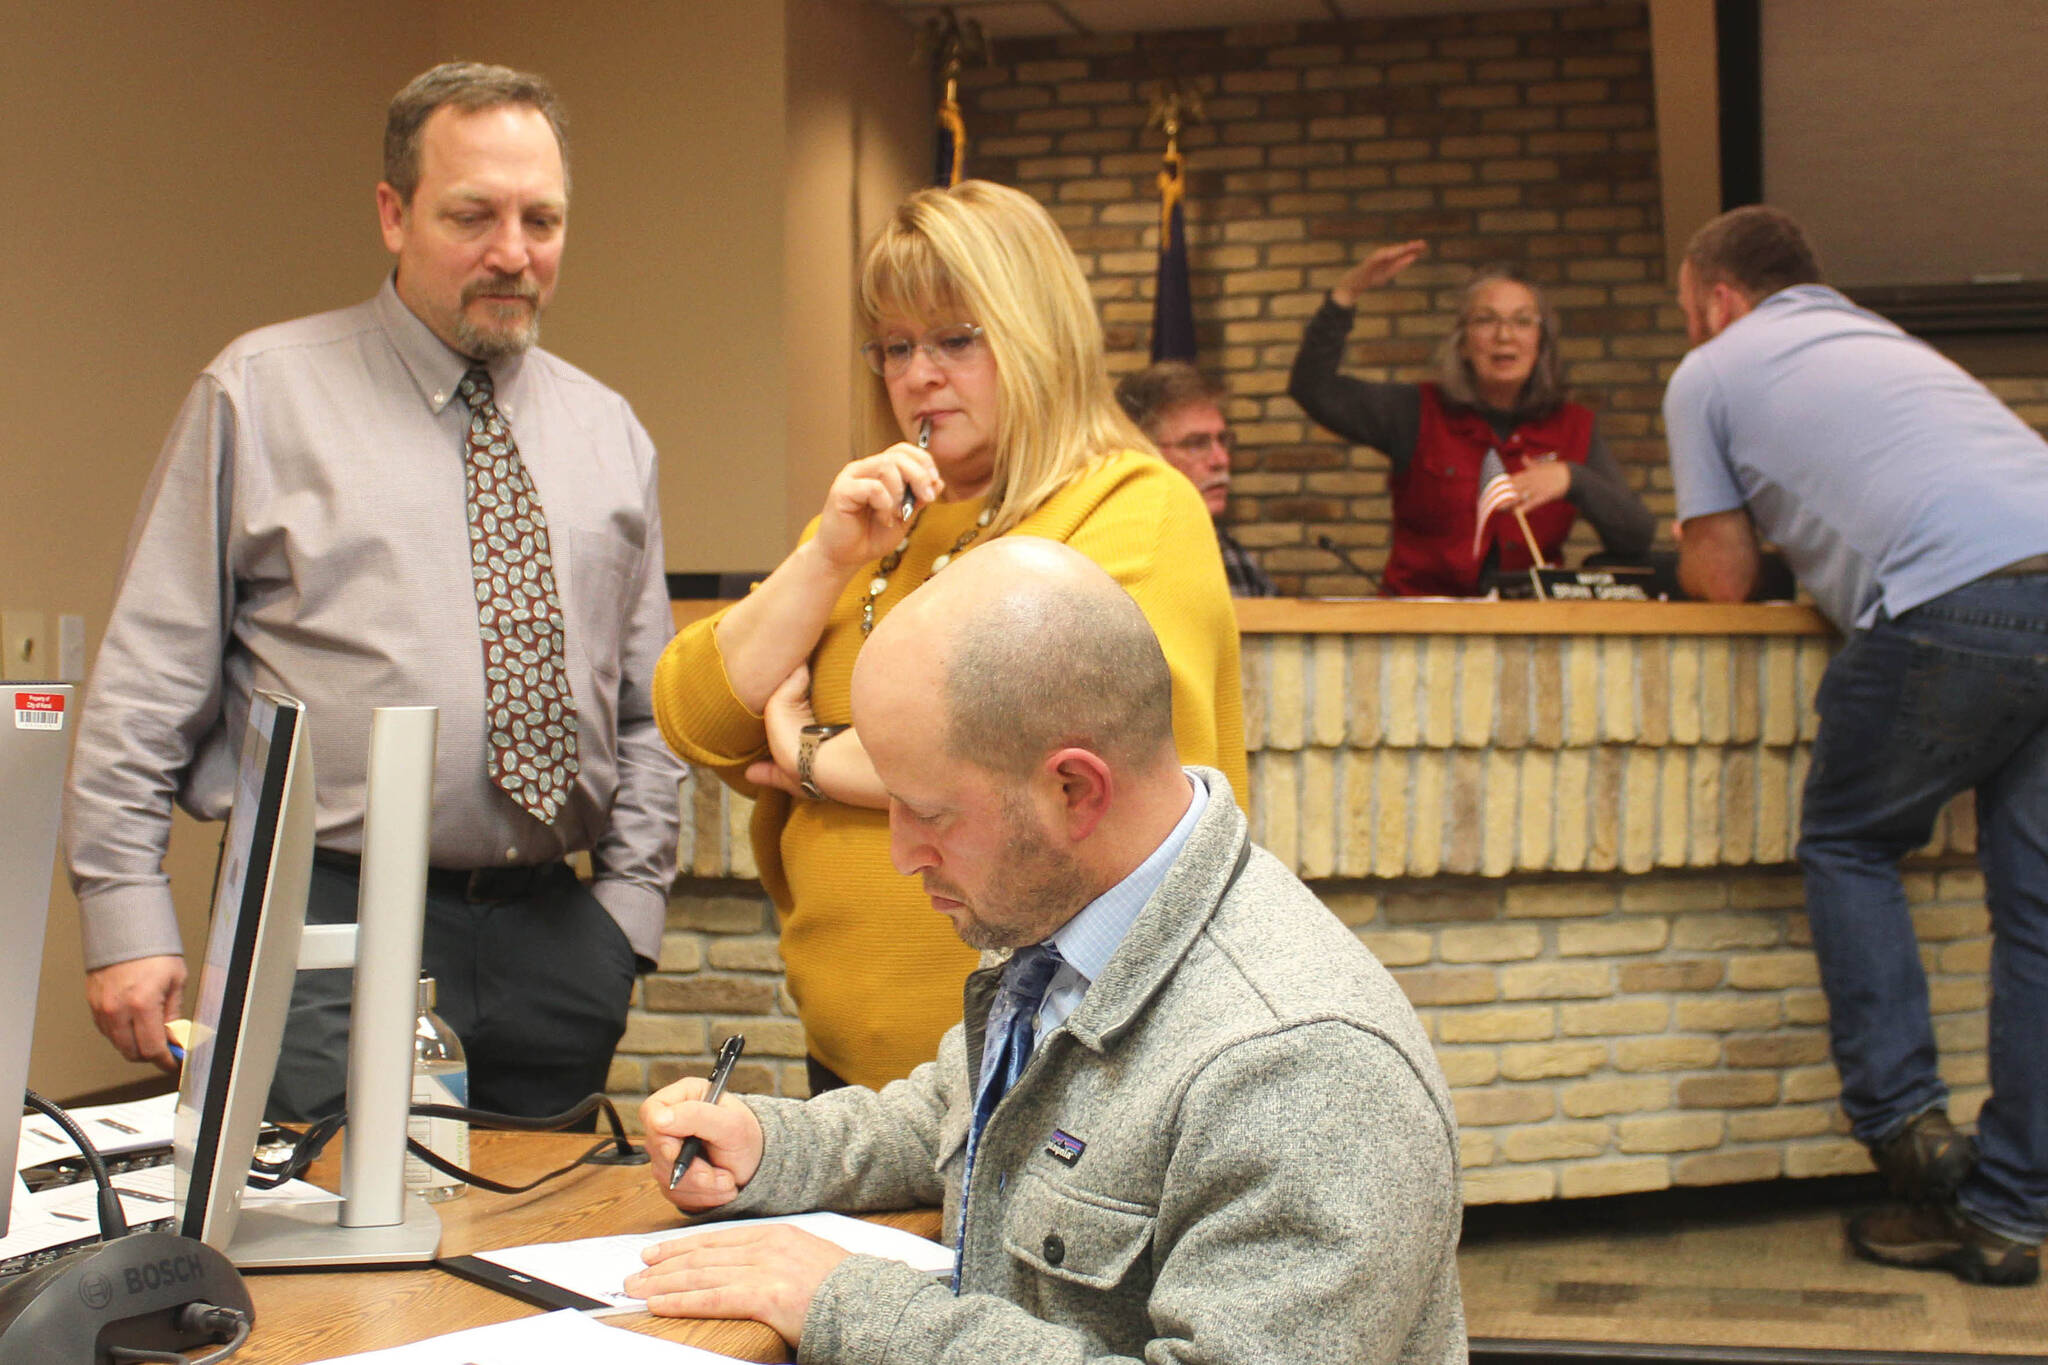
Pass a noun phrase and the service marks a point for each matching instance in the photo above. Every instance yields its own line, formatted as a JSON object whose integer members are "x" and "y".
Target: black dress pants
{"x": 532, "y": 974}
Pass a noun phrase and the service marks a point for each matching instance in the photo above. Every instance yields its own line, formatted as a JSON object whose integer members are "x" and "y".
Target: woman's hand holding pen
{"x": 863, "y": 516}
{"x": 730, "y": 1133}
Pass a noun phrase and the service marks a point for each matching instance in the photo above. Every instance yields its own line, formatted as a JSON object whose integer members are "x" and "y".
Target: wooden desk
{"x": 314, "y": 1315}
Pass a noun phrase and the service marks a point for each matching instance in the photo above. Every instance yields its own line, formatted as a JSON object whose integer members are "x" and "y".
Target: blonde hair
{"x": 984, "y": 253}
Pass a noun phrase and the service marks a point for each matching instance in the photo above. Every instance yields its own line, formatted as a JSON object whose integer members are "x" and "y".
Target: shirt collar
{"x": 1088, "y": 940}
{"x": 436, "y": 368}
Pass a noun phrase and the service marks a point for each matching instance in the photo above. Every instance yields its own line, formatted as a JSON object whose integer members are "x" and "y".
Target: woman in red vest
{"x": 1498, "y": 389}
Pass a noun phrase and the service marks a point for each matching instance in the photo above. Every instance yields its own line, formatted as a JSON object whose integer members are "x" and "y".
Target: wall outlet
{"x": 24, "y": 646}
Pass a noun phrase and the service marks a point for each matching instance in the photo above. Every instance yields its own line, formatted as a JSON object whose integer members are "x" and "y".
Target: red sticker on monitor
{"x": 38, "y": 710}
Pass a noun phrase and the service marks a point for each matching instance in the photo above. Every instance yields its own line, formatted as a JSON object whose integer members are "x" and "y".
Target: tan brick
{"x": 720, "y": 914}
{"x": 1780, "y": 1123}
{"x": 1727, "y": 1092}
{"x": 1842, "y": 1156}
{"x": 1509, "y": 1185}
{"x": 1523, "y": 1024}
{"x": 1556, "y": 980}
{"x": 1490, "y": 943}
{"x": 1676, "y": 893}
{"x": 1672, "y": 1133}
{"x": 1598, "y": 1178}
{"x": 1540, "y": 1061}
{"x": 1963, "y": 884}
{"x": 1728, "y": 1168}
{"x": 1942, "y": 922}
{"x": 1974, "y": 956}
{"x": 1557, "y": 1141}
{"x": 1604, "y": 938}
{"x": 1961, "y": 1032}
{"x": 1502, "y": 1104}
{"x": 1773, "y": 971}
{"x": 626, "y": 1076}
{"x": 1699, "y": 974}
{"x": 1613, "y": 1017}
{"x": 709, "y": 994}
{"x": 1398, "y": 947}
{"x": 1767, "y": 893}
{"x": 1559, "y": 900}
{"x": 680, "y": 953}
{"x": 766, "y": 1037}
{"x": 1778, "y": 1050}
{"x": 1666, "y": 1054}
{"x": 1812, "y": 1083}
{"x": 1717, "y": 933}
{"x": 1591, "y": 1099}
{"x": 656, "y": 1034}
{"x": 1468, "y": 1066}
{"x": 1723, "y": 1014}
{"x": 1476, "y": 1147}
{"x": 1356, "y": 909}
{"x": 745, "y": 955}
{"x": 1442, "y": 905}
{"x": 1808, "y": 1008}
{"x": 1447, "y": 985}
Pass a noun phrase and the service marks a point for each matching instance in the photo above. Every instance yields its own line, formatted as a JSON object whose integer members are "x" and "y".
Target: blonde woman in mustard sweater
{"x": 991, "y": 409}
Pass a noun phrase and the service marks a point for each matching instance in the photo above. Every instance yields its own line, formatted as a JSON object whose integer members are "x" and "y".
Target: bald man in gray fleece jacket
{"x": 1230, "y": 1140}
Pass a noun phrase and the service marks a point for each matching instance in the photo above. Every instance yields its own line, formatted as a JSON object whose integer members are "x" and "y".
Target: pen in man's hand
{"x": 924, "y": 442}
{"x": 693, "y": 1146}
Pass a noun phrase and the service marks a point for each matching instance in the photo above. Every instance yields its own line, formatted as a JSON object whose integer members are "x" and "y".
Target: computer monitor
{"x": 35, "y": 739}
{"x": 245, "y": 984}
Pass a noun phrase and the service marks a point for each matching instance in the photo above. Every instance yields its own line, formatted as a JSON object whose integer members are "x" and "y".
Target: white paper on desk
{"x": 545, "y": 1340}
{"x": 113, "y": 1128}
{"x": 596, "y": 1267}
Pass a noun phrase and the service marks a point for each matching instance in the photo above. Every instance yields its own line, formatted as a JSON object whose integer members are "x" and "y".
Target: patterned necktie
{"x": 528, "y": 707}
{"x": 1006, "y": 1048}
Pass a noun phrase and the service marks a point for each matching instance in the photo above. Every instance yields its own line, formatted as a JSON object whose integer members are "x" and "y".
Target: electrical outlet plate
{"x": 24, "y": 646}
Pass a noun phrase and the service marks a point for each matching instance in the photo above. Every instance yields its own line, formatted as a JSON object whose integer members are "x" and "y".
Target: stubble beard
{"x": 515, "y": 328}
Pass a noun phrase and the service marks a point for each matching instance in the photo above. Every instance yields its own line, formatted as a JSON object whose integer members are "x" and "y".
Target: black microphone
{"x": 1344, "y": 556}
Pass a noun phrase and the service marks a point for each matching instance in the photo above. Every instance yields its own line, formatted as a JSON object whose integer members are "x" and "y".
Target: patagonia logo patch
{"x": 1064, "y": 1147}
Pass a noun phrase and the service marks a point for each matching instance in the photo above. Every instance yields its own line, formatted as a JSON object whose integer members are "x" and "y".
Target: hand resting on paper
{"x": 768, "y": 1274}
{"x": 732, "y": 1143}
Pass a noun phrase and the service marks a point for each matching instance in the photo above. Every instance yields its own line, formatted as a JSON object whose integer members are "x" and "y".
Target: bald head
{"x": 1021, "y": 648}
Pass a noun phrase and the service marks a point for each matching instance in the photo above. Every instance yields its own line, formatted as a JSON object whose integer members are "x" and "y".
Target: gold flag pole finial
{"x": 948, "y": 43}
{"x": 1174, "y": 107}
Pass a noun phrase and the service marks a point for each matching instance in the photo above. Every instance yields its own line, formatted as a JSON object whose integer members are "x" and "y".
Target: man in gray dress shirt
{"x": 308, "y": 529}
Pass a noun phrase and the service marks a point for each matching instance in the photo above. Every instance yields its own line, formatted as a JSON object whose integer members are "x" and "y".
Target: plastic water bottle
{"x": 440, "y": 1075}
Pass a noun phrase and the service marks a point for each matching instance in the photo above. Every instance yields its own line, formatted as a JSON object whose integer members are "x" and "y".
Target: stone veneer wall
{"x": 1570, "y": 851}
{"x": 1522, "y": 135}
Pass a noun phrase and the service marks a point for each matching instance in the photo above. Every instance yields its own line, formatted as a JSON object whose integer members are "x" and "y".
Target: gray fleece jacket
{"x": 1238, "y": 1148}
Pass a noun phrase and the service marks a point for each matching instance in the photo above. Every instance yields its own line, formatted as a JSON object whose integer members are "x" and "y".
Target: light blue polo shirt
{"x": 1884, "y": 471}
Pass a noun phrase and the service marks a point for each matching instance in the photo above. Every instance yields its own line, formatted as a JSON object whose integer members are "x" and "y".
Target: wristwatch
{"x": 808, "y": 740}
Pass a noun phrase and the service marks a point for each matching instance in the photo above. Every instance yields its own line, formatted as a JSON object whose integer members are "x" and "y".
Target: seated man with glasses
{"x": 1180, "y": 408}
{"x": 1499, "y": 391}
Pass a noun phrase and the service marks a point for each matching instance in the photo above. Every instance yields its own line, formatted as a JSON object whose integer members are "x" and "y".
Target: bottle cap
{"x": 427, "y": 994}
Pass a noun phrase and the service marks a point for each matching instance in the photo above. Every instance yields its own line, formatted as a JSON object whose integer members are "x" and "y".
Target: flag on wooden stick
{"x": 1496, "y": 491}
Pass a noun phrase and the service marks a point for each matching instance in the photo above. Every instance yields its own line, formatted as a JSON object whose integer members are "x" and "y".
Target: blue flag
{"x": 1173, "y": 305}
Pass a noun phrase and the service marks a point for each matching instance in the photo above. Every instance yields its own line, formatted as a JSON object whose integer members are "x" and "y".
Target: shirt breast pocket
{"x": 596, "y": 600}
{"x": 1079, "y": 1236}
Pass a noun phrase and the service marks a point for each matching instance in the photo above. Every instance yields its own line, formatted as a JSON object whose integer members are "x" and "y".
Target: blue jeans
{"x": 1951, "y": 696}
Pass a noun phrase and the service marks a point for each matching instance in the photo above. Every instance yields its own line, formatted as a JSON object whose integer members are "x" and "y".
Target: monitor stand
{"x": 378, "y": 1222}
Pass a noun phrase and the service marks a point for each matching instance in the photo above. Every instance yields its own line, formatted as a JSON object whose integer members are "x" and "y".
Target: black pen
{"x": 693, "y": 1146}
{"x": 924, "y": 442}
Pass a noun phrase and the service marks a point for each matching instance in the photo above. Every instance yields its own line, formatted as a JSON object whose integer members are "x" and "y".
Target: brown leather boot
{"x": 1926, "y": 1160}
{"x": 1942, "y": 1237}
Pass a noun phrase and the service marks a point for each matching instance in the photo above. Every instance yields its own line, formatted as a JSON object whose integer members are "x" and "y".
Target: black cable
{"x": 112, "y": 1222}
{"x": 314, "y": 1140}
{"x": 1344, "y": 557}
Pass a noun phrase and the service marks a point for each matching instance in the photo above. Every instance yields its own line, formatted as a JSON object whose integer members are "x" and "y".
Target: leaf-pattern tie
{"x": 528, "y": 707}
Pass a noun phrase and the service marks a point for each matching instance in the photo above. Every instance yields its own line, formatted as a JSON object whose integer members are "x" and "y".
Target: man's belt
{"x": 480, "y": 884}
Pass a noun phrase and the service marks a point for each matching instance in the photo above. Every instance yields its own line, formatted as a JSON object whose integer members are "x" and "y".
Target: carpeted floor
{"x": 1761, "y": 1266}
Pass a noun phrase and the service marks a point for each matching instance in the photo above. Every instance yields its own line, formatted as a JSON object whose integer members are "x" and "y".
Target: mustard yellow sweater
{"x": 875, "y": 971}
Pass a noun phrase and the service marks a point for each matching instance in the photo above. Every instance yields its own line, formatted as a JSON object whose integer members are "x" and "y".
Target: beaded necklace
{"x": 880, "y": 581}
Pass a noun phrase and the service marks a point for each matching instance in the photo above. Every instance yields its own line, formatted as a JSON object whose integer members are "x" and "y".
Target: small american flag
{"x": 1495, "y": 492}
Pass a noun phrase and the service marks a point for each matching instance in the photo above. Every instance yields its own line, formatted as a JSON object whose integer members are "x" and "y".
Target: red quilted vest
{"x": 1437, "y": 497}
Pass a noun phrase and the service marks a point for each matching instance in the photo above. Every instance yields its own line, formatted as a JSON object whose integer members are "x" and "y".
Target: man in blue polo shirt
{"x": 1913, "y": 505}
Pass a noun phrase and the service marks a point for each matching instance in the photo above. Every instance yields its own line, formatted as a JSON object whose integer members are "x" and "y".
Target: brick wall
{"x": 1527, "y": 136}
